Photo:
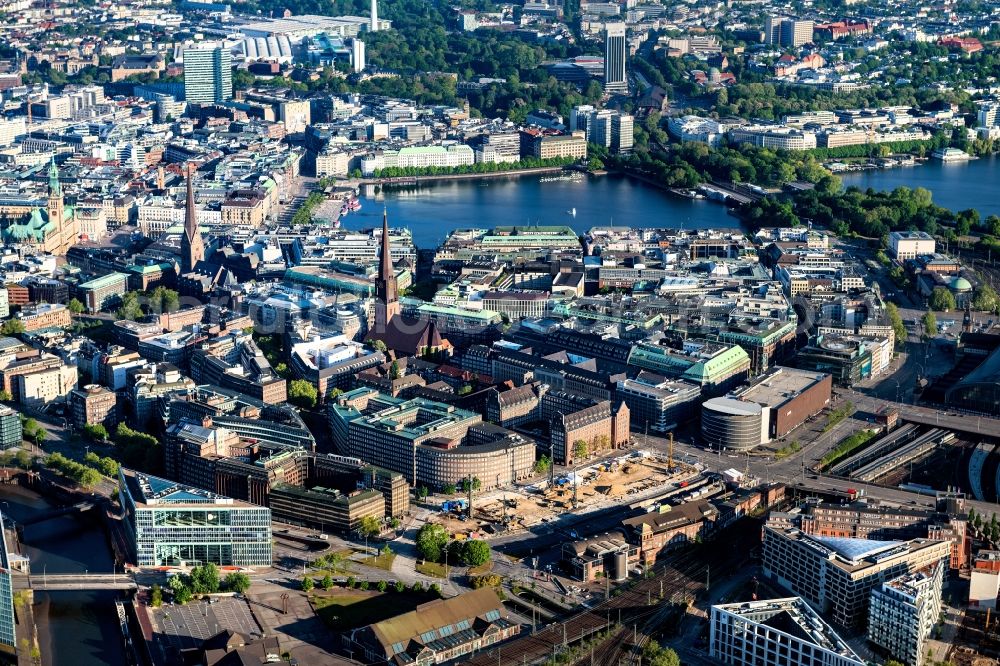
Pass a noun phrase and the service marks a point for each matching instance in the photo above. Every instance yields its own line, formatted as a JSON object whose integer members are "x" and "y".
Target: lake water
{"x": 78, "y": 628}
{"x": 955, "y": 185}
{"x": 431, "y": 211}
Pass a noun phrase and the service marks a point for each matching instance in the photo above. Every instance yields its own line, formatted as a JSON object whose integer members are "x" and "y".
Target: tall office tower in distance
{"x": 796, "y": 33}
{"x": 374, "y": 25}
{"x": 622, "y": 136}
{"x": 772, "y": 29}
{"x": 786, "y": 31}
{"x": 357, "y": 55}
{"x": 208, "y": 74}
{"x": 614, "y": 58}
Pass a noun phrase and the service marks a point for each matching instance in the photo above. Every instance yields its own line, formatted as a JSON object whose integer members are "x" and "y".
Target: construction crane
{"x": 670, "y": 452}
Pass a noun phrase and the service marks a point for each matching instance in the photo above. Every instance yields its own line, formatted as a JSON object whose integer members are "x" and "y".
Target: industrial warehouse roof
{"x": 781, "y": 385}
{"x": 436, "y": 619}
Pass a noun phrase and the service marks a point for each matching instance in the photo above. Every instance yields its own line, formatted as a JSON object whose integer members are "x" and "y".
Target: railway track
{"x": 627, "y": 610}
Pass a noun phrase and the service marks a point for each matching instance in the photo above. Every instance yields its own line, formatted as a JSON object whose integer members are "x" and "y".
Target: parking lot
{"x": 183, "y": 627}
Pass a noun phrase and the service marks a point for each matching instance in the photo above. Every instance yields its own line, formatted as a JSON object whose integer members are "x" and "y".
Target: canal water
{"x": 955, "y": 185}
{"x": 431, "y": 211}
{"x": 78, "y": 628}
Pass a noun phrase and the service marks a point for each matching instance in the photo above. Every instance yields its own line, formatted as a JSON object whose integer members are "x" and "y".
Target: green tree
{"x": 422, "y": 492}
{"x": 108, "y": 466}
{"x": 327, "y": 582}
{"x": 930, "y": 324}
{"x": 182, "y": 595}
{"x": 307, "y": 584}
{"x": 475, "y": 553}
{"x": 96, "y": 432}
{"x": 986, "y": 299}
{"x": 5, "y": 396}
{"x": 89, "y": 477}
{"x": 580, "y": 448}
{"x": 74, "y": 306}
{"x": 417, "y": 586}
{"x": 12, "y": 327}
{"x": 237, "y": 582}
{"x": 130, "y": 307}
{"x": 655, "y": 654}
{"x": 382, "y": 586}
{"x": 394, "y": 370}
{"x": 942, "y": 299}
{"x": 205, "y": 579}
{"x": 156, "y": 596}
{"x": 435, "y": 589}
{"x": 543, "y": 464}
{"x": 302, "y": 393}
{"x": 162, "y": 299}
{"x": 431, "y": 541}
{"x": 399, "y": 587}
{"x": 898, "y": 327}
{"x": 369, "y": 526}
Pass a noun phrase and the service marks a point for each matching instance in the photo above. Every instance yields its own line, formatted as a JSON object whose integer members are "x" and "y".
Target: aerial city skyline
{"x": 500, "y": 333}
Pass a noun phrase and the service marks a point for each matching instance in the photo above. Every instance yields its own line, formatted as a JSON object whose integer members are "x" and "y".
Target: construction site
{"x": 634, "y": 480}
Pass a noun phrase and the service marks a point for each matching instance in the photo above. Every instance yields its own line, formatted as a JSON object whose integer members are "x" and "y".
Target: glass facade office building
{"x": 171, "y": 524}
{"x": 10, "y": 428}
{"x": 8, "y": 638}
{"x": 208, "y": 75}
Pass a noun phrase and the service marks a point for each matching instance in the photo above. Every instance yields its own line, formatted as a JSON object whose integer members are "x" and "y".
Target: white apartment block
{"x": 453, "y": 155}
{"x": 332, "y": 164}
{"x": 773, "y": 136}
{"x": 903, "y": 612}
{"x": 43, "y": 386}
{"x": 10, "y": 130}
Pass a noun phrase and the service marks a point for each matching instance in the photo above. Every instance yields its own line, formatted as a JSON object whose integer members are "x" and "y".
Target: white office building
{"x": 357, "y": 55}
{"x": 910, "y": 244}
{"x": 776, "y": 632}
{"x": 837, "y": 574}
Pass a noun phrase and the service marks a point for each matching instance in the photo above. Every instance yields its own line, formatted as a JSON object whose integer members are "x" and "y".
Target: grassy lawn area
{"x": 431, "y": 569}
{"x": 380, "y": 562}
{"x": 482, "y": 569}
{"x": 352, "y": 608}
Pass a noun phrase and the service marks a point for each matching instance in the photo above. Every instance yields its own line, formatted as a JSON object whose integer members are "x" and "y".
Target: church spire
{"x": 386, "y": 303}
{"x": 55, "y": 189}
{"x": 192, "y": 246}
